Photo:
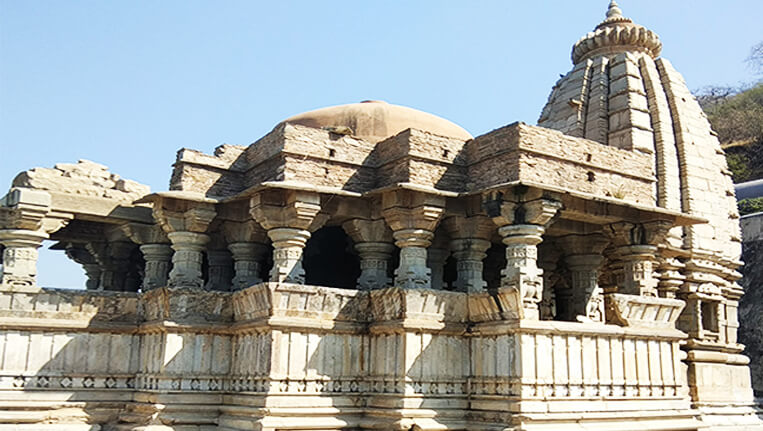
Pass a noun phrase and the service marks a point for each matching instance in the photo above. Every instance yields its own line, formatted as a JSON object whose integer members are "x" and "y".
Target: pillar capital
{"x": 279, "y": 208}
{"x": 141, "y": 233}
{"x": 182, "y": 215}
{"x": 540, "y": 211}
{"x": 243, "y": 231}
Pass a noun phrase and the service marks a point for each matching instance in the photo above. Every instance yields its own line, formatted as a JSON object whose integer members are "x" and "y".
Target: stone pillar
{"x": 288, "y": 216}
{"x": 437, "y": 255}
{"x": 185, "y": 222}
{"x": 187, "y": 259}
{"x": 20, "y": 257}
{"x": 113, "y": 257}
{"x": 413, "y": 217}
{"x": 373, "y": 242}
{"x": 246, "y": 242}
{"x": 288, "y": 245}
{"x": 555, "y": 298}
{"x": 158, "y": 258}
{"x": 470, "y": 239}
{"x": 469, "y": 254}
{"x": 635, "y": 255}
{"x": 156, "y": 250}
{"x": 521, "y": 225}
{"x": 25, "y": 221}
{"x": 246, "y": 263}
{"x": 583, "y": 258}
{"x": 220, "y": 264}
{"x": 522, "y": 272}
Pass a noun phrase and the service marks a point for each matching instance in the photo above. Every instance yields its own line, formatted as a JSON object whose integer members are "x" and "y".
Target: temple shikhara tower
{"x": 373, "y": 267}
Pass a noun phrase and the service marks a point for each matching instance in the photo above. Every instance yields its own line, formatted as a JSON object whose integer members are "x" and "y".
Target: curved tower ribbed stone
{"x": 621, "y": 93}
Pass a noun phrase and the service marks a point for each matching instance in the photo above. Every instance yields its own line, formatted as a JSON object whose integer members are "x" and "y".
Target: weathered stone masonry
{"x": 525, "y": 279}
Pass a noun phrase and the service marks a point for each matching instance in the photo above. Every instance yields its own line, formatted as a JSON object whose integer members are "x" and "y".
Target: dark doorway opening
{"x": 330, "y": 260}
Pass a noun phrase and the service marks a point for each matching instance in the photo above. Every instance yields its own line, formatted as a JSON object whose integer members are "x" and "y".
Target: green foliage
{"x": 737, "y": 117}
{"x": 750, "y": 206}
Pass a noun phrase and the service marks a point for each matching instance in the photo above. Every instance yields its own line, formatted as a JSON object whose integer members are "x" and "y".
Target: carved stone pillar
{"x": 437, "y": 255}
{"x": 25, "y": 221}
{"x": 470, "y": 239}
{"x": 521, "y": 225}
{"x": 187, "y": 259}
{"x": 246, "y": 242}
{"x": 635, "y": 255}
{"x": 413, "y": 217}
{"x": 288, "y": 216}
{"x": 20, "y": 257}
{"x": 219, "y": 264}
{"x": 373, "y": 242}
{"x": 583, "y": 259}
{"x": 158, "y": 258}
{"x": 469, "y": 254}
{"x": 156, "y": 250}
{"x": 186, "y": 223}
{"x": 288, "y": 245}
{"x": 246, "y": 263}
{"x": 555, "y": 298}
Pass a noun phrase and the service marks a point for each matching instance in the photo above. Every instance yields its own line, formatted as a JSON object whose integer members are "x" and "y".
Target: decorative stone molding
{"x": 643, "y": 312}
{"x": 503, "y": 304}
{"x": 187, "y": 305}
{"x": 421, "y": 305}
{"x": 288, "y": 303}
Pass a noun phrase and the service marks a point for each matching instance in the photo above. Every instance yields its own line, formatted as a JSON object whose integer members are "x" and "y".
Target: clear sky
{"x": 128, "y": 83}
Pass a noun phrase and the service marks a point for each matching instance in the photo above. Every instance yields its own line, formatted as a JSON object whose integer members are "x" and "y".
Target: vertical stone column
{"x": 556, "y": 295}
{"x": 288, "y": 216}
{"x": 583, "y": 258}
{"x": 113, "y": 257}
{"x": 25, "y": 221}
{"x": 437, "y": 255}
{"x": 20, "y": 257}
{"x": 247, "y": 244}
{"x": 219, "y": 264}
{"x": 671, "y": 278}
{"x": 413, "y": 217}
{"x": 522, "y": 225}
{"x": 635, "y": 255}
{"x": 186, "y": 223}
{"x": 187, "y": 259}
{"x": 373, "y": 242}
{"x": 288, "y": 246}
{"x": 469, "y": 242}
{"x": 158, "y": 262}
{"x": 246, "y": 263}
{"x": 156, "y": 250}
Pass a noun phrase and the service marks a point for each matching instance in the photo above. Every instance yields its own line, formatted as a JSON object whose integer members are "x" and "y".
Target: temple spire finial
{"x": 614, "y": 10}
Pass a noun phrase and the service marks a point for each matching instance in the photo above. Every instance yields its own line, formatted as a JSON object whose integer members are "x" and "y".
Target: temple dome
{"x": 374, "y": 121}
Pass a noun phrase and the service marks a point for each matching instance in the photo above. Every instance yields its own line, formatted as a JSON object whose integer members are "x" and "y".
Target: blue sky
{"x": 128, "y": 83}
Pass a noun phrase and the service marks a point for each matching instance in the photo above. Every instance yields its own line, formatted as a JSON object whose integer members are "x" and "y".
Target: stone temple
{"x": 374, "y": 267}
